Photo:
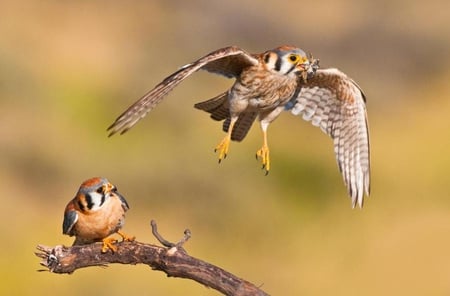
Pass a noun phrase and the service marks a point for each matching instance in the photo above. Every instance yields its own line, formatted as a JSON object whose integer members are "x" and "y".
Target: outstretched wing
{"x": 228, "y": 61}
{"x": 336, "y": 104}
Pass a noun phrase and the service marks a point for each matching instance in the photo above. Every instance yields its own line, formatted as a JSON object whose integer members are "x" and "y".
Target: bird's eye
{"x": 99, "y": 189}
{"x": 293, "y": 58}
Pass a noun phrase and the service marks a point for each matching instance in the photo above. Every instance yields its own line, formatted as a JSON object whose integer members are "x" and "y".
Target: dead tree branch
{"x": 171, "y": 259}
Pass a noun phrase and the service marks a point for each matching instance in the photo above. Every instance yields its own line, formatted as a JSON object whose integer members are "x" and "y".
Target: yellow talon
{"x": 125, "y": 237}
{"x": 225, "y": 143}
{"x": 263, "y": 154}
{"x": 223, "y": 148}
{"x": 108, "y": 243}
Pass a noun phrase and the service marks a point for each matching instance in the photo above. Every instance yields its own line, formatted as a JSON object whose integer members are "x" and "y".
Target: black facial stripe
{"x": 290, "y": 70}
{"x": 89, "y": 202}
{"x": 266, "y": 58}
{"x": 103, "y": 199}
{"x": 278, "y": 64}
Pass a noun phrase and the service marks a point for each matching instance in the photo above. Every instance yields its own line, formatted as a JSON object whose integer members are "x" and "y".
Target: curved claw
{"x": 125, "y": 237}
{"x": 264, "y": 155}
{"x": 222, "y": 148}
{"x": 108, "y": 244}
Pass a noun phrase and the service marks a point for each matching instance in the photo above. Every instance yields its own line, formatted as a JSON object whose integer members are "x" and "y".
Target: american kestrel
{"x": 96, "y": 212}
{"x": 267, "y": 84}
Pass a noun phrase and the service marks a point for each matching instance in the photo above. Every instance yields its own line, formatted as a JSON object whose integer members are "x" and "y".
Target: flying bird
{"x": 96, "y": 212}
{"x": 266, "y": 84}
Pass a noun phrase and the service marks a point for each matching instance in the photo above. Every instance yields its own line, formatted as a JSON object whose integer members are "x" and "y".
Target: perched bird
{"x": 96, "y": 212}
{"x": 267, "y": 84}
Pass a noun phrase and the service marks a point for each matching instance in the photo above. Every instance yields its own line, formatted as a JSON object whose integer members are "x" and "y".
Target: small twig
{"x": 171, "y": 259}
{"x": 159, "y": 237}
{"x": 186, "y": 237}
{"x": 166, "y": 243}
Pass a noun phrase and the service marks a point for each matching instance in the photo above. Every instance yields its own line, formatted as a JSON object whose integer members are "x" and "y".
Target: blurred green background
{"x": 69, "y": 68}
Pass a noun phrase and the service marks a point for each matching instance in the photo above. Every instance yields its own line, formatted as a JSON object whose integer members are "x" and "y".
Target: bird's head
{"x": 288, "y": 60}
{"x": 94, "y": 193}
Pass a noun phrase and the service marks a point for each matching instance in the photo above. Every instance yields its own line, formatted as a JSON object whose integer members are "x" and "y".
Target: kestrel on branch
{"x": 267, "y": 84}
{"x": 96, "y": 212}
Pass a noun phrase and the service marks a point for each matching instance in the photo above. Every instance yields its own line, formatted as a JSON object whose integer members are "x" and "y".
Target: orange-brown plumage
{"x": 96, "y": 212}
{"x": 266, "y": 84}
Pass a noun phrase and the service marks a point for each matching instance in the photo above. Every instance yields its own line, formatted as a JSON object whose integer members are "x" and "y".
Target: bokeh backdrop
{"x": 69, "y": 68}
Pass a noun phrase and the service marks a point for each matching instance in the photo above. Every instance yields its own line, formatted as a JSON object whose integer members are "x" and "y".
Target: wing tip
{"x": 115, "y": 127}
{"x": 111, "y": 131}
{"x": 121, "y": 126}
{"x": 358, "y": 195}
{"x": 358, "y": 200}
{"x": 120, "y": 131}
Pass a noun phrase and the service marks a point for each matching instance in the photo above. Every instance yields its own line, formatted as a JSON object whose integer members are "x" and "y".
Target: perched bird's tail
{"x": 218, "y": 107}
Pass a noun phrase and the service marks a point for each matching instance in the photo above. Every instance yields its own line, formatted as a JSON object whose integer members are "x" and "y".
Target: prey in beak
{"x": 308, "y": 68}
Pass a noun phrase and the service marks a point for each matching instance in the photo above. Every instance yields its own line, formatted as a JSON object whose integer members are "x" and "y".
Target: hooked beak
{"x": 109, "y": 187}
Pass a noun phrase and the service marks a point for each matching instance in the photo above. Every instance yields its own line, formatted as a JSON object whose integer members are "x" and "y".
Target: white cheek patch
{"x": 286, "y": 67}
{"x": 95, "y": 200}
{"x": 271, "y": 60}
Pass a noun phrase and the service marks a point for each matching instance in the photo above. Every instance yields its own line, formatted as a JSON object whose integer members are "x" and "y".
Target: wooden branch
{"x": 171, "y": 259}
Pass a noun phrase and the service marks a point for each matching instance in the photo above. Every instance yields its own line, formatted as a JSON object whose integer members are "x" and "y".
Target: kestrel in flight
{"x": 266, "y": 84}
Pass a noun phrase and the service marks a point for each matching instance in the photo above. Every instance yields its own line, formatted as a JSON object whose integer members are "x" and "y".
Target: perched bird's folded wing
{"x": 336, "y": 104}
{"x": 124, "y": 202}
{"x": 70, "y": 218}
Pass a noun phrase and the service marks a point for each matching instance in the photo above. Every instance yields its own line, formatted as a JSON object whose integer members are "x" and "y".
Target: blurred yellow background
{"x": 69, "y": 68}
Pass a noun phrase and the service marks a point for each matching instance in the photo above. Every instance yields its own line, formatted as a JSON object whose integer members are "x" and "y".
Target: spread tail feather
{"x": 218, "y": 107}
{"x": 242, "y": 125}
